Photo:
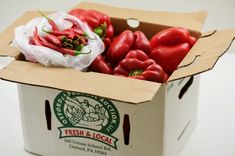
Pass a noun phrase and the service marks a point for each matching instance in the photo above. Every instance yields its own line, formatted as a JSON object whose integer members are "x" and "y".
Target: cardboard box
{"x": 67, "y": 112}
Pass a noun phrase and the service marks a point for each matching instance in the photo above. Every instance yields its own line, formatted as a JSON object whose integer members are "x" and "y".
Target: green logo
{"x": 87, "y": 116}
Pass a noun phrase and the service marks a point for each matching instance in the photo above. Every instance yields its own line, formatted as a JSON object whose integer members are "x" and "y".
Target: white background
{"x": 215, "y": 132}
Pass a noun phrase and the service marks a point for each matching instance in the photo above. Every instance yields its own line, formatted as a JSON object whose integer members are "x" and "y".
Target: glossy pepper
{"x": 169, "y": 57}
{"x": 100, "y": 65}
{"x": 170, "y": 46}
{"x": 170, "y": 36}
{"x": 99, "y": 22}
{"x": 138, "y": 65}
{"x": 141, "y": 42}
{"x": 120, "y": 47}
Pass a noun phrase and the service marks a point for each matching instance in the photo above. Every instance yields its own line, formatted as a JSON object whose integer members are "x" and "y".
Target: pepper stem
{"x": 98, "y": 31}
{"x": 77, "y": 52}
{"x": 86, "y": 35}
{"x": 136, "y": 73}
{"x": 44, "y": 30}
{"x": 43, "y": 15}
{"x": 101, "y": 30}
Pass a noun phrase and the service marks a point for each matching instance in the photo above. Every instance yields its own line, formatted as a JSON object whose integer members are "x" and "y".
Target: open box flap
{"x": 192, "y": 21}
{"x": 108, "y": 86}
{"x": 7, "y": 35}
{"x": 205, "y": 53}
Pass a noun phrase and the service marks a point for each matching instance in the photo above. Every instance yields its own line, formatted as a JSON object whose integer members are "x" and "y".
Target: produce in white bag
{"x": 58, "y": 40}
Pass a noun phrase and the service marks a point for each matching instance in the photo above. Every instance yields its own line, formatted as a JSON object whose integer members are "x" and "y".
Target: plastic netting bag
{"x": 50, "y": 57}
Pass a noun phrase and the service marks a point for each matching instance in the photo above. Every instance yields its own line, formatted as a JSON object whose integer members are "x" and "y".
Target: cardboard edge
{"x": 204, "y": 35}
{"x": 209, "y": 33}
{"x": 215, "y": 58}
{"x": 133, "y": 103}
{"x": 7, "y": 35}
{"x": 7, "y": 74}
{"x": 196, "y": 17}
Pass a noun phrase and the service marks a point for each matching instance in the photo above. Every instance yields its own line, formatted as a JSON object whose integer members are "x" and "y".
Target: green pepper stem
{"x": 43, "y": 15}
{"x": 99, "y": 31}
{"x": 68, "y": 45}
{"x": 44, "y": 30}
{"x": 136, "y": 73}
{"x": 77, "y": 52}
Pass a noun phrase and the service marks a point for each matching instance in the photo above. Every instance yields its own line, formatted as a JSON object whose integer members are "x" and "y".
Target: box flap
{"x": 109, "y": 86}
{"x": 8, "y": 34}
{"x": 205, "y": 53}
{"x": 192, "y": 21}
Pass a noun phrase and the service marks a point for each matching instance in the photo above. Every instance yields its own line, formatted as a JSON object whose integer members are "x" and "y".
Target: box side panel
{"x": 147, "y": 120}
{"x": 32, "y": 107}
{"x": 72, "y": 137}
{"x": 180, "y": 113}
{"x": 89, "y": 125}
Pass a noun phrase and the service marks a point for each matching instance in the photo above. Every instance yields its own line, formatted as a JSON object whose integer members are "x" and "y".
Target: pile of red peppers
{"x": 132, "y": 54}
{"x": 68, "y": 42}
{"x": 129, "y": 54}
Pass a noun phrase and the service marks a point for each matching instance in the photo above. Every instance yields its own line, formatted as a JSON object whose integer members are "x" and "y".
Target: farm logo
{"x": 87, "y": 116}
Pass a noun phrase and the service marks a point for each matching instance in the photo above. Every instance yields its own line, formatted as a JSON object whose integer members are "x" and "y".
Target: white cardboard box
{"x": 102, "y": 114}
{"x": 159, "y": 127}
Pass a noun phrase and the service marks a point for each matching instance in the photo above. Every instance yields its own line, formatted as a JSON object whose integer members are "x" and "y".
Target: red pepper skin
{"x": 35, "y": 38}
{"x": 120, "y": 47}
{"x": 74, "y": 22}
{"x": 154, "y": 73}
{"x": 141, "y": 42}
{"x": 75, "y": 31}
{"x": 91, "y": 17}
{"x": 169, "y": 57}
{"x": 95, "y": 20}
{"x": 53, "y": 39}
{"x": 170, "y": 36}
{"x": 56, "y": 32}
{"x": 137, "y": 65}
{"x": 63, "y": 51}
{"x": 109, "y": 31}
{"x": 76, "y": 11}
{"x": 191, "y": 41}
{"x": 87, "y": 16}
{"x": 100, "y": 65}
{"x": 107, "y": 42}
{"x": 139, "y": 54}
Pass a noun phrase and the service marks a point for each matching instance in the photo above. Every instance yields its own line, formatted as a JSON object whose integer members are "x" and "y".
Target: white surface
{"x": 214, "y": 134}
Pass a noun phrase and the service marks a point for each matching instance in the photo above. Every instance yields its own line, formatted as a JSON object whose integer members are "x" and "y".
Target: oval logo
{"x": 85, "y": 115}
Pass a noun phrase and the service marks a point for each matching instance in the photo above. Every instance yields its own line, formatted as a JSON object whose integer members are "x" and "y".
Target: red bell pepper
{"x": 169, "y": 57}
{"x": 138, "y": 65}
{"x": 120, "y": 47}
{"x": 191, "y": 40}
{"x": 100, "y": 65}
{"x": 170, "y": 36}
{"x": 99, "y": 22}
{"x": 141, "y": 42}
{"x": 170, "y": 46}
